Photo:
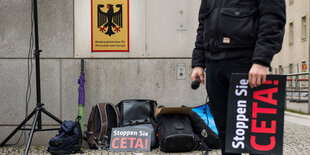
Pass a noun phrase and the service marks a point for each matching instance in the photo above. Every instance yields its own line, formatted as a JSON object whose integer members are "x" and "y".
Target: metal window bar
{"x": 298, "y": 88}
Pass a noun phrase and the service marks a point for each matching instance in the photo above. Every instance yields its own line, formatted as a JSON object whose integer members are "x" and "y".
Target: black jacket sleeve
{"x": 272, "y": 19}
{"x": 198, "y": 59}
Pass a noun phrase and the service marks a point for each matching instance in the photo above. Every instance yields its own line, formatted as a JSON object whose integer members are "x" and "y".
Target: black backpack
{"x": 140, "y": 114}
{"x": 103, "y": 117}
{"x": 175, "y": 134}
{"x": 69, "y": 139}
{"x": 204, "y": 131}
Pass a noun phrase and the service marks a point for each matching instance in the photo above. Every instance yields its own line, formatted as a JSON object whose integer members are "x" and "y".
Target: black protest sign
{"x": 255, "y": 117}
{"x": 130, "y": 139}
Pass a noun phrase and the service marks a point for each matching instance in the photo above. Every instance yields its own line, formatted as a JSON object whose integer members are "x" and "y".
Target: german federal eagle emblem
{"x": 110, "y": 22}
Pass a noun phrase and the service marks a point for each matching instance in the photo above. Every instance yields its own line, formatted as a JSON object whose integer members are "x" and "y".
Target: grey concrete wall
{"x": 107, "y": 80}
{"x": 302, "y": 107}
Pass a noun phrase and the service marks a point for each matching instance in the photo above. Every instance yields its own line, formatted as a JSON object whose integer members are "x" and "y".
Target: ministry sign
{"x": 109, "y": 25}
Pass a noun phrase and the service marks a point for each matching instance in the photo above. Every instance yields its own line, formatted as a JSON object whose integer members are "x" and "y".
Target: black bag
{"x": 69, "y": 139}
{"x": 133, "y": 112}
{"x": 139, "y": 113}
{"x": 175, "y": 133}
{"x": 203, "y": 131}
{"x": 103, "y": 117}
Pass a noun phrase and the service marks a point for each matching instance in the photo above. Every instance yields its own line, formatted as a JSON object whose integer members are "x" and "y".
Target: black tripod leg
{"x": 51, "y": 116}
{"x": 17, "y": 128}
{"x": 32, "y": 131}
{"x": 39, "y": 121}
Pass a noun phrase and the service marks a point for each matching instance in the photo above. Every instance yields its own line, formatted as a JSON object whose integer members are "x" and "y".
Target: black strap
{"x": 135, "y": 122}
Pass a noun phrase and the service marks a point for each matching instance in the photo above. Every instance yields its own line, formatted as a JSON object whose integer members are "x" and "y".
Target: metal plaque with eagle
{"x": 110, "y": 22}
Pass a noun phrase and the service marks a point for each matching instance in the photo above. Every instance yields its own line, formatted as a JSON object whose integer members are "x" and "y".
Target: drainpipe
{"x": 308, "y": 66}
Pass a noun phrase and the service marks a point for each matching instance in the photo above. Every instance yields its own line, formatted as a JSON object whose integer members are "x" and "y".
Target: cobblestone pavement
{"x": 296, "y": 142}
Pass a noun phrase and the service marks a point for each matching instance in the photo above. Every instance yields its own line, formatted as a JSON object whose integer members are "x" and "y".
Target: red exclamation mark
{"x": 146, "y": 140}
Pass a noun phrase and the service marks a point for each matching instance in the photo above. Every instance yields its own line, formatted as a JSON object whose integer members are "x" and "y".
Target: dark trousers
{"x": 217, "y": 82}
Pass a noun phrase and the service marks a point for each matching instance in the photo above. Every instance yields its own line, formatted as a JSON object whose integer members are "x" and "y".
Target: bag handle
{"x": 103, "y": 123}
{"x": 102, "y": 139}
{"x": 132, "y": 122}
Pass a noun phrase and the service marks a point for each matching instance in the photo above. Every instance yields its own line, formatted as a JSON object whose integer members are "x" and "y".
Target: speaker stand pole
{"x": 37, "y": 121}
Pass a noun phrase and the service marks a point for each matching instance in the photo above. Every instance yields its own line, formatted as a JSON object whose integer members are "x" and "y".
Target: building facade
{"x": 150, "y": 70}
{"x": 294, "y": 57}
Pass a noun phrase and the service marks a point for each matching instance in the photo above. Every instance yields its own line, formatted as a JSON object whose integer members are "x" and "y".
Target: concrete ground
{"x": 296, "y": 141}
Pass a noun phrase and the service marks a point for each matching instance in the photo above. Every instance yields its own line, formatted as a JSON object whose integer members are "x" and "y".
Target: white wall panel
{"x": 171, "y": 27}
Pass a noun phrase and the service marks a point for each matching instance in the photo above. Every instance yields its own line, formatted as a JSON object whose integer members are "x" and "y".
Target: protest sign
{"x": 255, "y": 116}
{"x": 130, "y": 139}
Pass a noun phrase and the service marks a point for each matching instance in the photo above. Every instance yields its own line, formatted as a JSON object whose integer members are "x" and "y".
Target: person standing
{"x": 235, "y": 36}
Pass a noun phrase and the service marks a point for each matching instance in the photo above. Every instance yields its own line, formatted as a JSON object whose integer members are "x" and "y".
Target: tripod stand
{"x": 37, "y": 121}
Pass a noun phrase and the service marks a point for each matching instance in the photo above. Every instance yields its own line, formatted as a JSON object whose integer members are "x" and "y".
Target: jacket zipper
{"x": 214, "y": 29}
{"x": 217, "y": 23}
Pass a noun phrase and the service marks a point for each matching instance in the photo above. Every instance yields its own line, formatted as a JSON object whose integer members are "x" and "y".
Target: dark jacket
{"x": 239, "y": 28}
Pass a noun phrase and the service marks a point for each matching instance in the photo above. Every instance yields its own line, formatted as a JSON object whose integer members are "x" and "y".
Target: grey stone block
{"x": 14, "y": 28}
{"x": 50, "y": 87}
{"x": 70, "y": 74}
{"x": 13, "y": 90}
{"x": 55, "y": 28}
{"x": 302, "y": 107}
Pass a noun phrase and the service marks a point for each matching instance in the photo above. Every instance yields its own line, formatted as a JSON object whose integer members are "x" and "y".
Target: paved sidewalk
{"x": 296, "y": 141}
{"x": 296, "y": 134}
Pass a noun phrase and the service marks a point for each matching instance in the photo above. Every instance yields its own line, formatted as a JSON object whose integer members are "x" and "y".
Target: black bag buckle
{"x": 102, "y": 144}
